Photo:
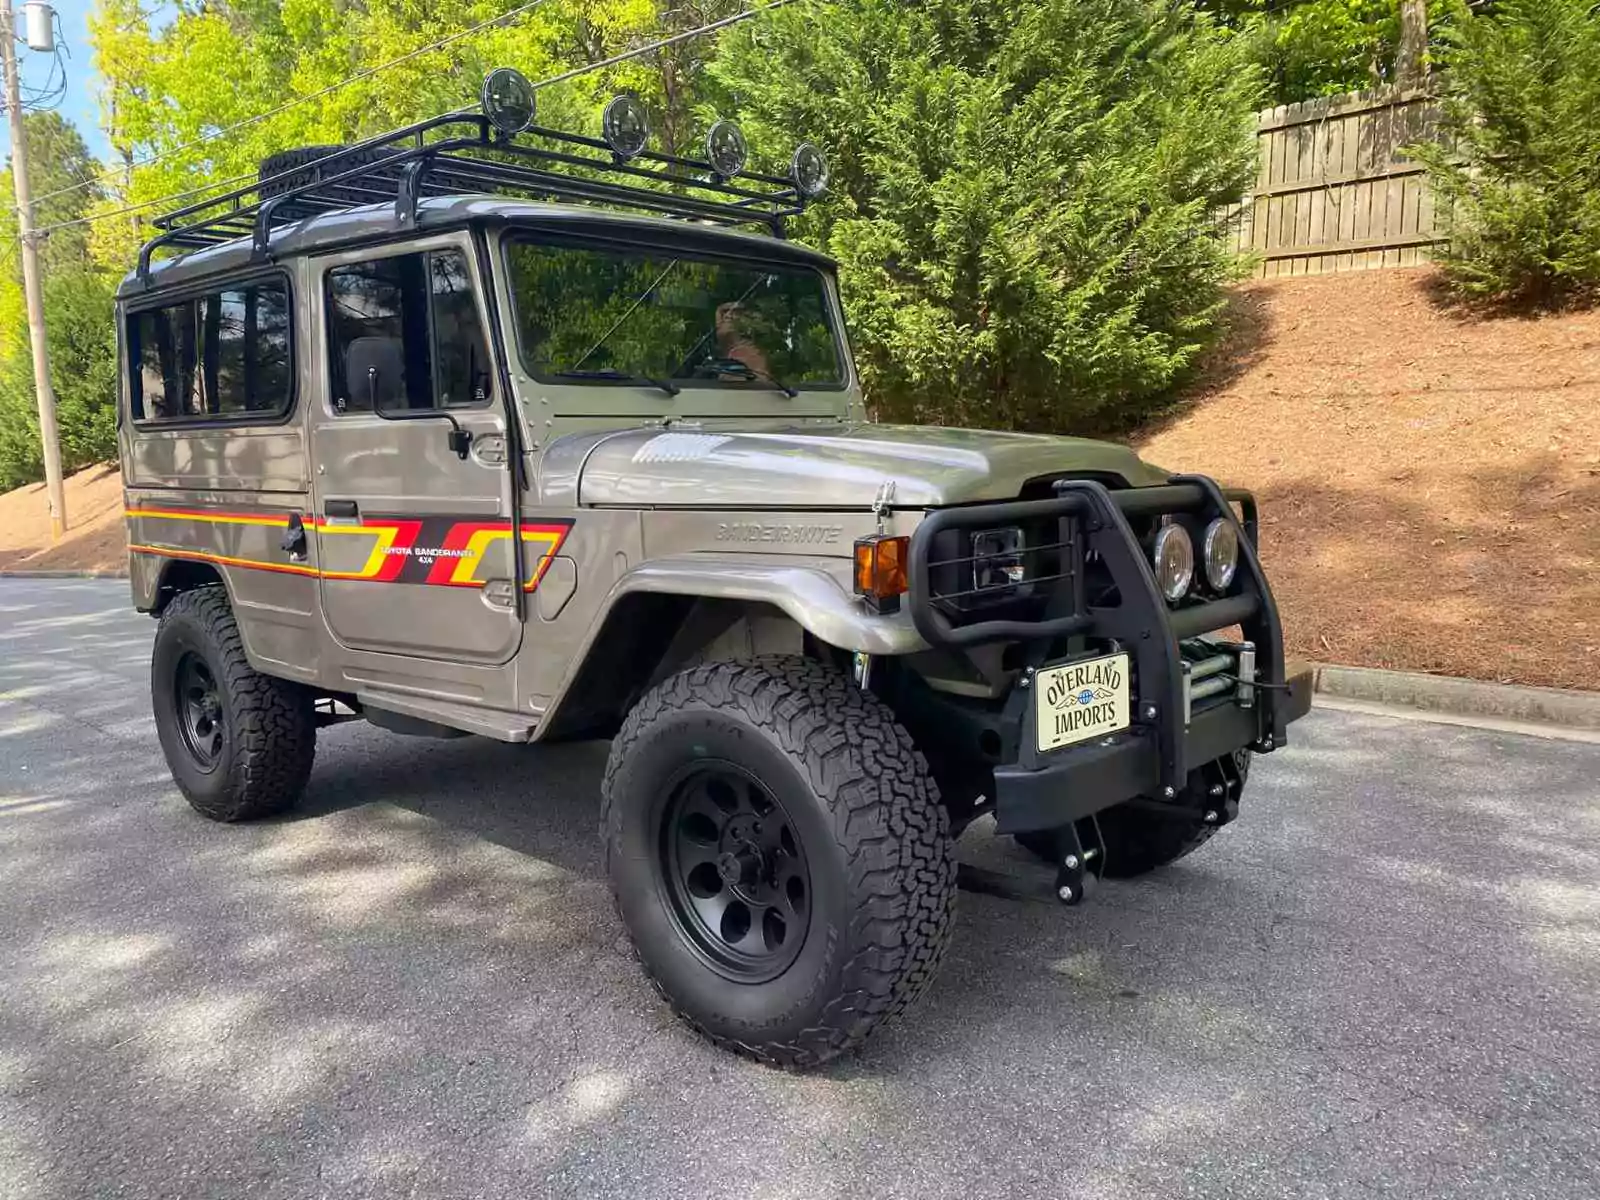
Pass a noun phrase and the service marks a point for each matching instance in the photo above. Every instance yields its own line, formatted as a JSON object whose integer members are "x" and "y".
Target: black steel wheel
{"x": 239, "y": 744}
{"x": 778, "y": 855}
{"x": 200, "y": 717}
{"x": 734, "y": 869}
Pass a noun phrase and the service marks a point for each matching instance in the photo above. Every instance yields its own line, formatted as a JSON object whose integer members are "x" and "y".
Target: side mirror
{"x": 459, "y": 439}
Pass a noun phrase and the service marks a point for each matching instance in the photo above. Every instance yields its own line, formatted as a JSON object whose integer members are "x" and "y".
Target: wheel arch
{"x": 164, "y": 579}
{"x": 666, "y": 616}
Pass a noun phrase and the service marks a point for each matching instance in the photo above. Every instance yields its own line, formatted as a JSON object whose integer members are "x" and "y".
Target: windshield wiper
{"x": 732, "y": 366}
{"x": 664, "y": 385}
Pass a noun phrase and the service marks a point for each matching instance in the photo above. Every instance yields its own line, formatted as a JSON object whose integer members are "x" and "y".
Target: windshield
{"x": 643, "y": 315}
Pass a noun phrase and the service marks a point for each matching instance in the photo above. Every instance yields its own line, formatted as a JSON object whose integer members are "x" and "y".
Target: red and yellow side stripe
{"x": 454, "y": 562}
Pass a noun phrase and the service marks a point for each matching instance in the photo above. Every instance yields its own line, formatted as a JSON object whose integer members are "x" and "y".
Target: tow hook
{"x": 1081, "y": 861}
{"x": 1222, "y": 789}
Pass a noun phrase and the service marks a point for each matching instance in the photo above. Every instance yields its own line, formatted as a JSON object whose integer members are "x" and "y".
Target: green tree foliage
{"x": 1024, "y": 192}
{"x": 1522, "y": 106}
{"x": 170, "y": 87}
{"x": 1316, "y": 47}
{"x": 79, "y": 324}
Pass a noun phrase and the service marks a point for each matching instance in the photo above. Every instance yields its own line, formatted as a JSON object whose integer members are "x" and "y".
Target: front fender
{"x": 816, "y": 594}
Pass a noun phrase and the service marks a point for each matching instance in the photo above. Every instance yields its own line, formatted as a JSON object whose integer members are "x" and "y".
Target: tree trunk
{"x": 1411, "y": 67}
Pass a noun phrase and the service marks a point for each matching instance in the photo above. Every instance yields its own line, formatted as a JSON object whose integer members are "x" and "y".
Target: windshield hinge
{"x": 883, "y": 501}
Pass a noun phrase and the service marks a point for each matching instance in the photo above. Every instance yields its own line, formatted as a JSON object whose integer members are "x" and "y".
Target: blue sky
{"x": 82, "y": 103}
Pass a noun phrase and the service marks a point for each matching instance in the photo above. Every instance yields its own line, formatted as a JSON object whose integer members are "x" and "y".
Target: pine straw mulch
{"x": 1429, "y": 478}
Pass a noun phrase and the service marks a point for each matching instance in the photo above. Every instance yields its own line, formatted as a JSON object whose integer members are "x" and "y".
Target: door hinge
{"x": 490, "y": 450}
{"x": 499, "y": 593}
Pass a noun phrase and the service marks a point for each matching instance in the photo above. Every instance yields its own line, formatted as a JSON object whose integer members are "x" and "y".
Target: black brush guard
{"x": 1155, "y": 756}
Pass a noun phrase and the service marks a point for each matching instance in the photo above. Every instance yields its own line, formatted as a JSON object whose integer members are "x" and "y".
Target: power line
{"x": 365, "y": 73}
{"x": 744, "y": 15}
{"x": 637, "y": 52}
{"x": 141, "y": 205}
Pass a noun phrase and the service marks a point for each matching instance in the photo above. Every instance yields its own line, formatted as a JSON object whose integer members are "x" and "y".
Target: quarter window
{"x": 224, "y": 354}
{"x": 404, "y": 333}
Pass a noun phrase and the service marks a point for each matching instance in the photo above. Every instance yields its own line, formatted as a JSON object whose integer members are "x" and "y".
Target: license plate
{"x": 1081, "y": 700}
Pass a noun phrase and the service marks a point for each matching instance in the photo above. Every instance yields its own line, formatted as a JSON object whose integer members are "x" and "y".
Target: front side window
{"x": 222, "y": 354}
{"x": 593, "y": 313}
{"x": 404, "y": 333}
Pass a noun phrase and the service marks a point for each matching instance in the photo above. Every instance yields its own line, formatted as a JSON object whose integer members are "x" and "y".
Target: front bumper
{"x": 1080, "y": 781}
{"x": 1161, "y": 755}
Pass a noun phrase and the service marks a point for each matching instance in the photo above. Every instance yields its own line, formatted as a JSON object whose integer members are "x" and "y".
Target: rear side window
{"x": 221, "y": 355}
{"x": 404, "y": 333}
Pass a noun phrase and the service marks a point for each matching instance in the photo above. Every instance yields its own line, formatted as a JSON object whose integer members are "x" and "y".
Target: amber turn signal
{"x": 881, "y": 570}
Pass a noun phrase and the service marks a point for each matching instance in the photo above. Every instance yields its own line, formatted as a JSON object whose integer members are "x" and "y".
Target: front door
{"x": 414, "y": 538}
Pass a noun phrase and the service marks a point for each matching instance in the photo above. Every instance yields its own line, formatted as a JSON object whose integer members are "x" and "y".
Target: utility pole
{"x": 1409, "y": 70}
{"x": 31, "y": 286}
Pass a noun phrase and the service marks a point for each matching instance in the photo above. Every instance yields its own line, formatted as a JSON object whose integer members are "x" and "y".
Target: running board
{"x": 415, "y": 716}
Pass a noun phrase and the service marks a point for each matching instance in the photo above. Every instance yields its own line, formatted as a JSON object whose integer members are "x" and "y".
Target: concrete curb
{"x": 63, "y": 574}
{"x": 1460, "y": 697}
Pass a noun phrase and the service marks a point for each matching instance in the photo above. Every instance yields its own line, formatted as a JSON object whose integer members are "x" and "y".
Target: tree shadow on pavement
{"x": 1383, "y": 975}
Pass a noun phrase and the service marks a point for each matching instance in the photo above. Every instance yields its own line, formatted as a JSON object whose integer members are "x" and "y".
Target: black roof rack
{"x": 465, "y": 152}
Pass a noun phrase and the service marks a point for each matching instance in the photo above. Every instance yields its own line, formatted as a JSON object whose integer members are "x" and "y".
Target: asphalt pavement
{"x": 1383, "y": 981}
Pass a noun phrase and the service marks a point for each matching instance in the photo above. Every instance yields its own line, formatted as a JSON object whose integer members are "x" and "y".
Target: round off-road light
{"x": 809, "y": 170}
{"x": 507, "y": 100}
{"x": 726, "y": 150}
{"x": 625, "y": 126}
{"x": 1174, "y": 561}
{"x": 1219, "y": 552}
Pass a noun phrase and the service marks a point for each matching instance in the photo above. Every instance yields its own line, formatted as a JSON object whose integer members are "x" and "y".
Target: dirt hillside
{"x": 1430, "y": 482}
{"x": 94, "y": 540}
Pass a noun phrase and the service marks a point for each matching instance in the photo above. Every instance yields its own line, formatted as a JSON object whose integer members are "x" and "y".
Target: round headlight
{"x": 726, "y": 150}
{"x": 809, "y": 170}
{"x": 507, "y": 99}
{"x": 625, "y": 126}
{"x": 1220, "y": 552}
{"x": 1174, "y": 561}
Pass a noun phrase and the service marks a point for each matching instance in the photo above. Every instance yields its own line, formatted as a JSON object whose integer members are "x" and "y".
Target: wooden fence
{"x": 1335, "y": 192}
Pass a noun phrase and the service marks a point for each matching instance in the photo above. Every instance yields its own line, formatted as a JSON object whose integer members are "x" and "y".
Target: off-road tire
{"x": 269, "y": 732}
{"x": 868, "y": 814}
{"x": 1138, "y": 841}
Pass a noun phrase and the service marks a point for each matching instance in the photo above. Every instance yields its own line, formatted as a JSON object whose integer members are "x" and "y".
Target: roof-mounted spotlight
{"x": 726, "y": 150}
{"x": 809, "y": 171}
{"x": 508, "y": 101}
{"x": 625, "y": 127}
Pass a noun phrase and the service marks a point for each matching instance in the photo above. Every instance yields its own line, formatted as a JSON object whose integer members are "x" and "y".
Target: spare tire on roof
{"x": 298, "y": 167}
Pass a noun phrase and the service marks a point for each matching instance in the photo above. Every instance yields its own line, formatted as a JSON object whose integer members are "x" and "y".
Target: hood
{"x": 837, "y": 467}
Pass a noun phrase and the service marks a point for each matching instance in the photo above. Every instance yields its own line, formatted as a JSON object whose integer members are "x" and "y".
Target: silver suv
{"x": 443, "y": 432}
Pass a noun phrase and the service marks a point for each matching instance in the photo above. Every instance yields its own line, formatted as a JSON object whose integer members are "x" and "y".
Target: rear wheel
{"x": 779, "y": 856}
{"x": 1138, "y": 841}
{"x": 239, "y": 744}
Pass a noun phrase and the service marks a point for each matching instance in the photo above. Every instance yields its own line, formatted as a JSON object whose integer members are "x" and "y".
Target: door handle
{"x": 346, "y": 509}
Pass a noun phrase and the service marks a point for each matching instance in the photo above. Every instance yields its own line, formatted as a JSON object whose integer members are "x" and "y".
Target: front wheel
{"x": 779, "y": 856}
